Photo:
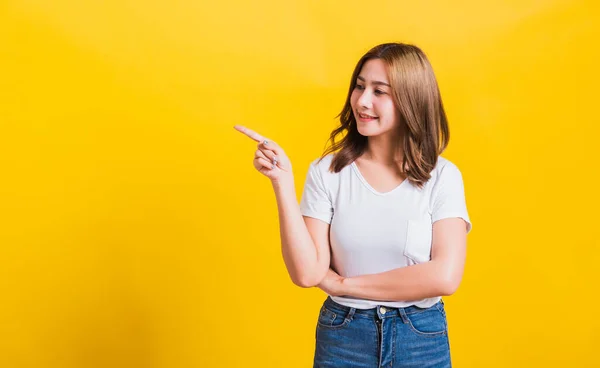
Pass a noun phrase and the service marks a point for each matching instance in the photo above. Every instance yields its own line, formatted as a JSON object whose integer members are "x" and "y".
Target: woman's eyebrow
{"x": 374, "y": 82}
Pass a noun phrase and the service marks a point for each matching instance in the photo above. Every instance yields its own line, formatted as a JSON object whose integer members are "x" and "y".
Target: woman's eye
{"x": 358, "y": 86}
{"x": 379, "y": 92}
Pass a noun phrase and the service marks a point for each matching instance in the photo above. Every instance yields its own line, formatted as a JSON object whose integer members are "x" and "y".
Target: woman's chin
{"x": 368, "y": 132}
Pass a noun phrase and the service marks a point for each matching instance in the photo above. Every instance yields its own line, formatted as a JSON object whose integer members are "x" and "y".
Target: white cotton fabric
{"x": 373, "y": 232}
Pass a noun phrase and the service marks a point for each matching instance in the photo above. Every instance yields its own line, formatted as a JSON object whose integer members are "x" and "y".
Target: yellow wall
{"x": 135, "y": 232}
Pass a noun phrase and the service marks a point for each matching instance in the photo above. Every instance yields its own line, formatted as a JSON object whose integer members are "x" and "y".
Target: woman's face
{"x": 372, "y": 102}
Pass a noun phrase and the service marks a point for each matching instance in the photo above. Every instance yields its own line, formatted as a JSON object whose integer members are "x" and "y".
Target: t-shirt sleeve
{"x": 449, "y": 196}
{"x": 315, "y": 200}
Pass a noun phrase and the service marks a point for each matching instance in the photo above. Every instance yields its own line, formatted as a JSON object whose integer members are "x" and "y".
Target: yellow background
{"x": 134, "y": 231}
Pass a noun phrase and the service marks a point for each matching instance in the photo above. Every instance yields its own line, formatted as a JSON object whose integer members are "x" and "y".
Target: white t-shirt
{"x": 374, "y": 232}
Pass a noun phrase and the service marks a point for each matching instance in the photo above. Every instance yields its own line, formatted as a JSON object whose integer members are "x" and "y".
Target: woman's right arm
{"x": 304, "y": 240}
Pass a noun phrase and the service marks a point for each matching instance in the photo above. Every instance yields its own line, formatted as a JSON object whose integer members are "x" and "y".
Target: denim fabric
{"x": 381, "y": 337}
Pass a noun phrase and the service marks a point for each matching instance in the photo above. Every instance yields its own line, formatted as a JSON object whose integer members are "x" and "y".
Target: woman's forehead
{"x": 374, "y": 71}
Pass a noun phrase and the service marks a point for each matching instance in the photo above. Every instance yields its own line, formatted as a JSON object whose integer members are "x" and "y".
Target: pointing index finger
{"x": 249, "y": 132}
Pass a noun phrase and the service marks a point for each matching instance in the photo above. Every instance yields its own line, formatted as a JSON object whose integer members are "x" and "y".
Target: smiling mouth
{"x": 366, "y": 117}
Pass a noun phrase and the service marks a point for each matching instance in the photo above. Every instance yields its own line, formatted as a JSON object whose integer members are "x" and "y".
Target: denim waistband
{"x": 379, "y": 311}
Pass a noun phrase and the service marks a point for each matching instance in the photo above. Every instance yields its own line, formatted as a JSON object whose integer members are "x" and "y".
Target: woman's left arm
{"x": 439, "y": 277}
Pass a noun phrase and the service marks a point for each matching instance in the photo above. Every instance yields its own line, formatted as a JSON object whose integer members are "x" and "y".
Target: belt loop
{"x": 403, "y": 315}
{"x": 350, "y": 314}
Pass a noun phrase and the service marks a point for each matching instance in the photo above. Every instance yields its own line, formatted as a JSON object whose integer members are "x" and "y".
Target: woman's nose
{"x": 365, "y": 99}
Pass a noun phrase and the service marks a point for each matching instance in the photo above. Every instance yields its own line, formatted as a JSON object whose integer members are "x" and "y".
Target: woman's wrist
{"x": 284, "y": 184}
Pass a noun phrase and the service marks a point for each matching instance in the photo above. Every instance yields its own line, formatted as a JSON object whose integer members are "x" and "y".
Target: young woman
{"x": 382, "y": 223}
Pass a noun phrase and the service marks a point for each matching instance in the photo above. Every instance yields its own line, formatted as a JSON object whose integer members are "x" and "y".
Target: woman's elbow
{"x": 303, "y": 282}
{"x": 309, "y": 279}
{"x": 449, "y": 285}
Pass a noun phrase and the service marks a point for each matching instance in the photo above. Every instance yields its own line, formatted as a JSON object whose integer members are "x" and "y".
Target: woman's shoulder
{"x": 322, "y": 166}
{"x": 444, "y": 169}
{"x": 442, "y": 163}
{"x": 322, "y": 163}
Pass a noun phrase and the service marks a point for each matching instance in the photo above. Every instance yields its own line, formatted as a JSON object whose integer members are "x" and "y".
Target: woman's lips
{"x": 366, "y": 118}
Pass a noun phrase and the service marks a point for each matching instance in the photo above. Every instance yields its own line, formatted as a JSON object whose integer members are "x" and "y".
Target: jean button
{"x": 382, "y": 310}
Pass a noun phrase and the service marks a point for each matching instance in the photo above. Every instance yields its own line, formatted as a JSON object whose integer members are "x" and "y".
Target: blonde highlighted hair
{"x": 417, "y": 97}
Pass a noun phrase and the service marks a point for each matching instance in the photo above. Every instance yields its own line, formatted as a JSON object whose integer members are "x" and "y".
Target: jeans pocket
{"x": 428, "y": 322}
{"x": 329, "y": 319}
{"x": 419, "y": 235}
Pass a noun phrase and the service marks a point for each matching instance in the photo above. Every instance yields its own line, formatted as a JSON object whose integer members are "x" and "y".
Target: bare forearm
{"x": 299, "y": 251}
{"x": 416, "y": 282}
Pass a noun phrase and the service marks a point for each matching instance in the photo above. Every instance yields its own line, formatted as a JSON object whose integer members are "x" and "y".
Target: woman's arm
{"x": 304, "y": 240}
{"x": 438, "y": 277}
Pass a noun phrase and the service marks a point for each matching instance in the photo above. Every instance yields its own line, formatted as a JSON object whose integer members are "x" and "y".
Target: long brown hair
{"x": 417, "y": 97}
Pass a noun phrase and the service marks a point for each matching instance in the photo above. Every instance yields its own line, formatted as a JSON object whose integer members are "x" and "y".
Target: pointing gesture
{"x": 269, "y": 159}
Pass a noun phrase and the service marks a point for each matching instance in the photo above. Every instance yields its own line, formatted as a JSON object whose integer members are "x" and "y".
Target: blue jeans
{"x": 381, "y": 337}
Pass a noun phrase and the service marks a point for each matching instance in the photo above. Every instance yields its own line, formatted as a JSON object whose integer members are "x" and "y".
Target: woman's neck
{"x": 385, "y": 150}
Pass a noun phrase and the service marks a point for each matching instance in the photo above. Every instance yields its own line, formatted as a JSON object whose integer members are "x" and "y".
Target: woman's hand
{"x": 332, "y": 284}
{"x": 269, "y": 159}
